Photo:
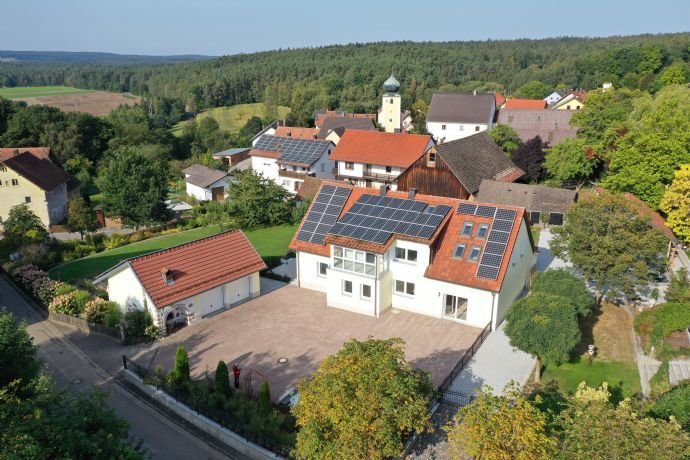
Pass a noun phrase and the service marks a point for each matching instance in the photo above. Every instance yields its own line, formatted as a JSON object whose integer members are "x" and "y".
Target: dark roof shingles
{"x": 41, "y": 172}
{"x": 461, "y": 108}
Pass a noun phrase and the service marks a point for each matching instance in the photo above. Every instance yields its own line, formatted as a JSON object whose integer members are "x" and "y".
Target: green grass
{"x": 623, "y": 378}
{"x": 269, "y": 242}
{"x": 535, "y": 235}
{"x": 36, "y": 91}
{"x": 233, "y": 118}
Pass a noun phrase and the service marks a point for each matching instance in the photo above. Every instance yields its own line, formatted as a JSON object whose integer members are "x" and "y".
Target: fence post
{"x": 124, "y": 362}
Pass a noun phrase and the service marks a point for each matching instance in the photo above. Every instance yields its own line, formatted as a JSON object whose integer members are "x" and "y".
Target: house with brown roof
{"x": 525, "y": 104}
{"x": 374, "y": 158}
{"x": 553, "y": 126}
{"x": 575, "y": 100}
{"x": 374, "y": 250}
{"x": 456, "y": 115}
{"x": 299, "y": 132}
{"x": 206, "y": 184}
{"x": 186, "y": 283}
{"x": 455, "y": 169}
{"x": 28, "y": 177}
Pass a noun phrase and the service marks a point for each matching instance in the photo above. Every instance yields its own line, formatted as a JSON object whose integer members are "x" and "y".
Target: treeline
{"x": 349, "y": 77}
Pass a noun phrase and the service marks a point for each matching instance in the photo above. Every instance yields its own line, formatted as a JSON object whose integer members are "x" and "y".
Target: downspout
{"x": 297, "y": 267}
{"x": 493, "y": 306}
{"x": 376, "y": 289}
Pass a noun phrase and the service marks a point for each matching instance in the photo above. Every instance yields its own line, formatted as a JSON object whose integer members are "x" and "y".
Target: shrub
{"x": 264, "y": 398}
{"x": 97, "y": 310}
{"x": 659, "y": 382}
{"x": 82, "y": 298}
{"x": 674, "y": 403}
{"x": 179, "y": 376}
{"x": 66, "y": 303}
{"x": 46, "y": 289}
{"x": 114, "y": 315}
{"x": 115, "y": 241}
{"x": 222, "y": 379}
{"x": 64, "y": 289}
{"x": 137, "y": 321}
{"x": 660, "y": 321}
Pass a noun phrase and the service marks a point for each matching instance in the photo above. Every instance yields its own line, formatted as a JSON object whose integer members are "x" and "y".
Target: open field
{"x": 233, "y": 118}
{"x": 269, "y": 242}
{"x": 98, "y": 103}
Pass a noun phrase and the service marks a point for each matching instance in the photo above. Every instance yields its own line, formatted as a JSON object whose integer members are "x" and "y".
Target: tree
{"x": 676, "y": 203}
{"x": 18, "y": 359}
{"x": 564, "y": 283}
{"x": 134, "y": 188}
{"x": 23, "y": 227}
{"x": 80, "y": 217}
{"x": 606, "y": 239}
{"x": 222, "y": 379}
{"x": 568, "y": 161}
{"x": 530, "y": 158}
{"x": 179, "y": 375}
{"x": 678, "y": 287}
{"x": 533, "y": 90}
{"x": 264, "y": 402}
{"x": 675, "y": 403}
{"x": 506, "y": 138}
{"x": 675, "y": 74}
{"x": 419, "y": 110}
{"x": 501, "y": 428}
{"x": 252, "y": 127}
{"x": 544, "y": 325}
{"x": 25, "y": 126}
{"x": 255, "y": 200}
{"x": 592, "y": 427}
{"x": 361, "y": 403}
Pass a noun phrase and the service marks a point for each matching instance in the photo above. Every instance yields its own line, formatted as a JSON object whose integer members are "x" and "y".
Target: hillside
{"x": 233, "y": 118}
{"x": 91, "y": 57}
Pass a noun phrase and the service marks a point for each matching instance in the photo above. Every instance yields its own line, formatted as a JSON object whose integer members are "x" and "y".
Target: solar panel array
{"x": 293, "y": 149}
{"x": 323, "y": 213}
{"x": 374, "y": 218}
{"x": 497, "y": 242}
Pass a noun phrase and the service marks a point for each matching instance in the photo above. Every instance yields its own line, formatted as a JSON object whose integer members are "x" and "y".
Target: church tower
{"x": 391, "y": 117}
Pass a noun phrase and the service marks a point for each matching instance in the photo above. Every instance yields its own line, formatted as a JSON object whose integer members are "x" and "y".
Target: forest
{"x": 348, "y": 77}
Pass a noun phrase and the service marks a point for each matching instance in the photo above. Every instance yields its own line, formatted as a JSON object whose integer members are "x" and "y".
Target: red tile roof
{"x": 378, "y": 148}
{"x": 264, "y": 153}
{"x": 525, "y": 104}
{"x": 444, "y": 266}
{"x": 40, "y": 152}
{"x": 196, "y": 266}
{"x": 500, "y": 99}
{"x": 302, "y": 133}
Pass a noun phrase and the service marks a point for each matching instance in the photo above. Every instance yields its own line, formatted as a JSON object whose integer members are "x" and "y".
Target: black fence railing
{"x": 221, "y": 417}
{"x": 462, "y": 363}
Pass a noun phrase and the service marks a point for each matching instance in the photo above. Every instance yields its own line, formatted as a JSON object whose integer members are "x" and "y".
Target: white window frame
{"x": 318, "y": 269}
{"x": 479, "y": 253}
{"x": 343, "y": 289}
{"x": 484, "y": 227}
{"x": 455, "y": 251}
{"x": 406, "y": 255}
{"x": 406, "y": 285}
{"x": 461, "y": 127}
{"x": 352, "y": 260}
{"x": 349, "y": 165}
{"x": 467, "y": 224}
{"x": 443, "y": 127}
{"x": 361, "y": 291}
{"x": 456, "y": 306}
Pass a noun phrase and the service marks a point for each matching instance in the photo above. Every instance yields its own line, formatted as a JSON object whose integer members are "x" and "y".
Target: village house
{"x": 374, "y": 250}
{"x": 186, "y": 283}
{"x": 575, "y": 100}
{"x": 27, "y": 176}
{"x": 373, "y": 158}
{"x": 232, "y": 157}
{"x": 524, "y": 104}
{"x": 552, "y": 126}
{"x": 457, "y": 115}
{"x": 206, "y": 184}
{"x": 298, "y": 132}
{"x": 455, "y": 169}
{"x": 555, "y": 96}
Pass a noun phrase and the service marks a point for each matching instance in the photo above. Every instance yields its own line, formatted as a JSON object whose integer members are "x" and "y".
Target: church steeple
{"x": 390, "y": 116}
{"x": 392, "y": 85}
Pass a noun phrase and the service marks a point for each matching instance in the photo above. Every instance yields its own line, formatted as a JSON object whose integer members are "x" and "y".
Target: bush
{"x": 264, "y": 398}
{"x": 179, "y": 376}
{"x": 660, "y": 321}
{"x": 66, "y": 304}
{"x": 115, "y": 241}
{"x": 659, "y": 382}
{"x": 114, "y": 315}
{"x": 82, "y": 297}
{"x": 140, "y": 324}
{"x": 674, "y": 403}
{"x": 64, "y": 289}
{"x": 222, "y": 379}
{"x": 97, "y": 310}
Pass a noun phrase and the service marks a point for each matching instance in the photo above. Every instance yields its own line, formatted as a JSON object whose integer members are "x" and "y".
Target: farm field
{"x": 233, "y": 118}
{"x": 67, "y": 99}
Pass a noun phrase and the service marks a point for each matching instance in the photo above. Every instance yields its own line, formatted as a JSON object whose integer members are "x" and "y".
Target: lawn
{"x": 37, "y": 91}
{"x": 233, "y": 118}
{"x": 269, "y": 242}
{"x": 609, "y": 330}
{"x": 535, "y": 235}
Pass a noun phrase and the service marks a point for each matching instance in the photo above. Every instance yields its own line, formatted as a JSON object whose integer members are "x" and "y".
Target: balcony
{"x": 295, "y": 174}
{"x": 368, "y": 175}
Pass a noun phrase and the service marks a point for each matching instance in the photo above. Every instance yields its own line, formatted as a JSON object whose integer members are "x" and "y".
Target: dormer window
{"x": 483, "y": 230}
{"x": 167, "y": 276}
{"x": 474, "y": 254}
{"x": 467, "y": 229}
{"x": 459, "y": 251}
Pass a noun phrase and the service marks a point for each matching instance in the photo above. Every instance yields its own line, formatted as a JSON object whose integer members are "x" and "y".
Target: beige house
{"x": 28, "y": 177}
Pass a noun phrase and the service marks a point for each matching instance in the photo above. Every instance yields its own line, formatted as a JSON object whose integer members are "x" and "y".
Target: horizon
{"x": 221, "y": 28}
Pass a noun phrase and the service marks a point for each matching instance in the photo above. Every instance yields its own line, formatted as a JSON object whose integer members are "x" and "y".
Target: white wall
{"x": 125, "y": 289}
{"x": 454, "y": 131}
{"x": 308, "y": 275}
{"x": 357, "y": 171}
{"x": 390, "y": 115}
{"x": 266, "y": 166}
{"x": 354, "y": 302}
{"x": 197, "y": 192}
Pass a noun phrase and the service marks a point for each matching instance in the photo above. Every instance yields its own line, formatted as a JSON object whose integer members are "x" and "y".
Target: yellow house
{"x": 27, "y": 178}
{"x": 570, "y": 102}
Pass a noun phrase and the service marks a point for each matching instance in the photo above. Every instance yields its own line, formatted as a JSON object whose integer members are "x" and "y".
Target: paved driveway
{"x": 295, "y": 323}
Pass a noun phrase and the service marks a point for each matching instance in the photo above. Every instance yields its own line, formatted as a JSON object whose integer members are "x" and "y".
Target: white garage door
{"x": 237, "y": 290}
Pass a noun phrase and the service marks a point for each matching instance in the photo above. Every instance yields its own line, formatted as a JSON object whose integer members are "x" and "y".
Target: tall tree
{"x": 544, "y": 325}
{"x": 564, "y": 283}
{"x": 501, "y": 428}
{"x": 222, "y": 379}
{"x": 23, "y": 226}
{"x": 568, "y": 161}
{"x": 533, "y": 90}
{"x": 506, "y": 138}
{"x": 80, "y": 216}
{"x": 255, "y": 200}
{"x": 607, "y": 240}
{"x": 530, "y": 158}
{"x": 25, "y": 126}
{"x": 676, "y": 203}
{"x": 675, "y": 74}
{"x": 18, "y": 358}
{"x": 361, "y": 403}
{"x": 134, "y": 188}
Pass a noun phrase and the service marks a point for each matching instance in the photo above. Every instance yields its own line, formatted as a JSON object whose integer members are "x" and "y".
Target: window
{"x": 483, "y": 230}
{"x": 27, "y": 199}
{"x": 474, "y": 254}
{"x": 455, "y": 307}
{"x": 15, "y": 181}
{"x": 3, "y": 169}
{"x": 568, "y": 107}
{"x": 391, "y": 100}
{"x": 461, "y": 127}
{"x": 443, "y": 127}
{"x": 432, "y": 157}
{"x": 347, "y": 287}
{"x": 389, "y": 169}
{"x": 323, "y": 167}
{"x": 403, "y": 287}
{"x": 467, "y": 229}
{"x": 476, "y": 128}
{"x": 459, "y": 251}
{"x": 354, "y": 261}
{"x": 322, "y": 269}
{"x": 406, "y": 254}
{"x": 366, "y": 291}
{"x": 349, "y": 165}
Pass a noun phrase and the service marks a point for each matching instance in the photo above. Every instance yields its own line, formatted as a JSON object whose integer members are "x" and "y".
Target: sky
{"x": 221, "y": 27}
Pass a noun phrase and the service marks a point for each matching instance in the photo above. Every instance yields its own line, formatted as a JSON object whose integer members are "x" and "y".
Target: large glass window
{"x": 403, "y": 287}
{"x": 406, "y": 254}
{"x": 354, "y": 261}
{"x": 455, "y": 307}
{"x": 459, "y": 251}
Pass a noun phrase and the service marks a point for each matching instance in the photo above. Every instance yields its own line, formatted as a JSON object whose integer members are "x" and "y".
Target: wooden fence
{"x": 85, "y": 326}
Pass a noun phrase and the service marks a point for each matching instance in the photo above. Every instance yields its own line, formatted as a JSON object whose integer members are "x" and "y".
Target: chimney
{"x": 289, "y": 133}
{"x": 167, "y": 276}
{"x": 411, "y": 193}
{"x": 383, "y": 190}
{"x": 314, "y": 136}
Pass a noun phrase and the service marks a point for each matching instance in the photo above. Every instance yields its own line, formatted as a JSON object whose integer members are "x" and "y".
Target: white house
{"x": 288, "y": 160}
{"x": 456, "y": 115}
{"x": 206, "y": 184}
{"x": 185, "y": 283}
{"x": 371, "y": 251}
{"x": 373, "y": 158}
{"x": 555, "y": 96}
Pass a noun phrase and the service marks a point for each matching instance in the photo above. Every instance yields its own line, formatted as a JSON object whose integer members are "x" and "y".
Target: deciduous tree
{"x": 676, "y": 203}
{"x": 255, "y": 200}
{"x": 530, "y": 158}
{"x": 506, "y": 138}
{"x": 80, "y": 216}
{"x": 564, "y": 283}
{"x": 18, "y": 359}
{"x": 568, "y": 161}
{"x": 533, "y": 90}
{"x": 361, "y": 402}
{"x": 23, "y": 227}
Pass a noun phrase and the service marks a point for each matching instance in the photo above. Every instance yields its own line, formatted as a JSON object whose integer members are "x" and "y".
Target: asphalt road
{"x": 71, "y": 368}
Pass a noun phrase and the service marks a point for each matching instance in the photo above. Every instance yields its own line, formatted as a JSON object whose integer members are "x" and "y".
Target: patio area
{"x": 294, "y": 323}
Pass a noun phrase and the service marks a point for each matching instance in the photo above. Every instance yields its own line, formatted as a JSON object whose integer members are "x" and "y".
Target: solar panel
{"x": 380, "y": 216}
{"x": 493, "y": 260}
{"x": 485, "y": 271}
{"x": 467, "y": 208}
{"x": 495, "y": 248}
{"x": 268, "y": 142}
{"x": 485, "y": 211}
{"x": 498, "y": 237}
{"x": 503, "y": 225}
{"x": 323, "y": 214}
{"x": 505, "y": 214}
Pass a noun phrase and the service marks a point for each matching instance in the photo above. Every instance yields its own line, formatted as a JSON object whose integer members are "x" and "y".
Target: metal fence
{"x": 201, "y": 407}
{"x": 460, "y": 365}
{"x": 84, "y": 325}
